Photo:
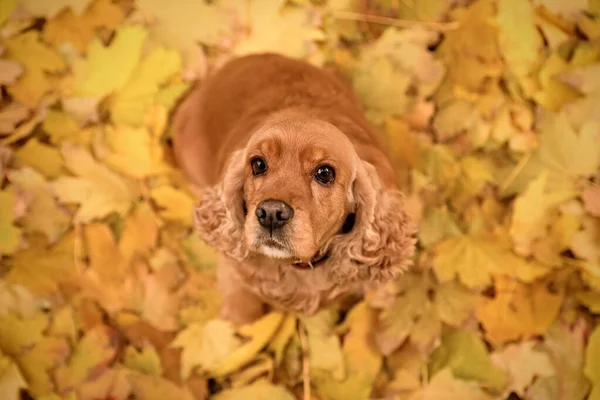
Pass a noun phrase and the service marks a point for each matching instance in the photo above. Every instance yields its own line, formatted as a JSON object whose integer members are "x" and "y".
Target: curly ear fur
{"x": 219, "y": 215}
{"x": 381, "y": 244}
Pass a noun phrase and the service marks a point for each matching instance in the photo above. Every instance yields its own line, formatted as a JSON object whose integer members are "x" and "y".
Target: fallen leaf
{"x": 41, "y": 268}
{"x": 523, "y": 364}
{"x": 591, "y": 200}
{"x": 42, "y": 157}
{"x": 78, "y": 28}
{"x": 465, "y": 354}
{"x": 11, "y": 116}
{"x": 157, "y": 388}
{"x": 9, "y": 71}
{"x": 43, "y": 213}
{"x": 135, "y": 152}
{"x": 296, "y": 29}
{"x": 518, "y": 311}
{"x": 176, "y": 25}
{"x": 89, "y": 358}
{"x": 532, "y": 213}
{"x": 519, "y": 40}
{"x": 445, "y": 386}
{"x": 11, "y": 235}
{"x": 205, "y": 345}
{"x": 566, "y": 345}
{"x": 174, "y": 204}
{"x": 591, "y": 368}
{"x": 38, "y": 363}
{"x": 98, "y": 190}
{"x": 146, "y": 360}
{"x": 37, "y": 59}
{"x": 259, "y": 334}
{"x": 259, "y": 390}
{"x": 131, "y": 104}
{"x": 563, "y": 152}
{"x": 49, "y": 9}
{"x": 125, "y": 47}
{"x": 324, "y": 347}
{"x": 11, "y": 379}
{"x": 19, "y": 334}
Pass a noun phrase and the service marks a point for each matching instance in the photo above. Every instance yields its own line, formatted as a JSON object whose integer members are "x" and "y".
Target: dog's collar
{"x": 313, "y": 263}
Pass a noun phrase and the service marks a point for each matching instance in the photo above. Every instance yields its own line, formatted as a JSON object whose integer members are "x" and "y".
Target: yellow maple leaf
{"x": 37, "y": 59}
{"x": 17, "y": 299}
{"x": 6, "y": 8}
{"x": 11, "y": 379}
{"x": 553, "y": 94}
{"x": 475, "y": 259}
{"x": 519, "y": 40}
{"x": 10, "y": 236}
{"x": 362, "y": 360}
{"x": 69, "y": 26}
{"x": 61, "y": 127}
{"x": 157, "y": 388}
{"x": 9, "y": 71}
{"x": 17, "y": 334}
{"x": 36, "y": 363}
{"x": 591, "y": 368}
{"x": 98, "y": 190}
{"x": 256, "y": 391}
{"x": 583, "y": 78}
{"x": 105, "y": 259}
{"x": 444, "y": 385}
{"x": 371, "y": 82}
{"x": 132, "y": 102}
{"x": 205, "y": 345}
{"x": 465, "y": 354}
{"x": 43, "y": 214}
{"x": 518, "y": 310}
{"x": 135, "y": 152}
{"x": 49, "y": 8}
{"x": 45, "y": 159}
{"x": 470, "y": 52}
{"x": 93, "y": 351}
{"x": 11, "y": 116}
{"x": 174, "y": 204}
{"x": 176, "y": 23}
{"x": 523, "y": 364}
{"x": 533, "y": 213}
{"x": 324, "y": 346}
{"x": 294, "y": 27}
{"x": 126, "y": 46}
{"x": 146, "y": 360}
{"x": 140, "y": 233}
{"x": 566, "y": 154}
{"x": 40, "y": 268}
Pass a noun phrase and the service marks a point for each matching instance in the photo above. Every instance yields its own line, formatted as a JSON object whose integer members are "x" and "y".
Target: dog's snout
{"x": 274, "y": 213}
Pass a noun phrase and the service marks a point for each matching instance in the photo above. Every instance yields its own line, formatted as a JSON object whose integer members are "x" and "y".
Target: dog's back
{"x": 221, "y": 114}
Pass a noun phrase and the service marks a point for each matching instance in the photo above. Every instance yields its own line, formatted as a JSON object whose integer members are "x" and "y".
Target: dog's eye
{"x": 259, "y": 166}
{"x": 325, "y": 174}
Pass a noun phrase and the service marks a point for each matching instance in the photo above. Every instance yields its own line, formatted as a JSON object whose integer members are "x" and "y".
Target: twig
{"x": 400, "y": 23}
{"x": 305, "y": 362}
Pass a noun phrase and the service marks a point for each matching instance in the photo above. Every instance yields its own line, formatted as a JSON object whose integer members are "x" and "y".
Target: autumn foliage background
{"x": 490, "y": 107}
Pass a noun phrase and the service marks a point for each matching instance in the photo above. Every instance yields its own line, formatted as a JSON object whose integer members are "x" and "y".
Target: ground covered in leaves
{"x": 106, "y": 291}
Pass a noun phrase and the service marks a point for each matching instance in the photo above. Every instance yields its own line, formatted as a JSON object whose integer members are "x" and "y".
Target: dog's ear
{"x": 381, "y": 244}
{"x": 219, "y": 216}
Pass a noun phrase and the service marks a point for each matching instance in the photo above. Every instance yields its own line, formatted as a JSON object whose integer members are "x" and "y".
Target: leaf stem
{"x": 400, "y": 23}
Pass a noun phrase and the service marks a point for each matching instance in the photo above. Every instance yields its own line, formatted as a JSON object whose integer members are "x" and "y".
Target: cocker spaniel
{"x": 298, "y": 195}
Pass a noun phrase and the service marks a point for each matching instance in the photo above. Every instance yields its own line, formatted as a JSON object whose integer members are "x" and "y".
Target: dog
{"x": 297, "y": 194}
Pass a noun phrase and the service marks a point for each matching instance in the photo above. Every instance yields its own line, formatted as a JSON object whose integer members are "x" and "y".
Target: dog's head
{"x": 299, "y": 192}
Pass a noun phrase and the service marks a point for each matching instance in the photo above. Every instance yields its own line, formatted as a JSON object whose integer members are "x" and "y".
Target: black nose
{"x": 274, "y": 213}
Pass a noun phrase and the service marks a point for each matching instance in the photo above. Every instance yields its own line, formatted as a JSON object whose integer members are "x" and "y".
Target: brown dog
{"x": 297, "y": 194}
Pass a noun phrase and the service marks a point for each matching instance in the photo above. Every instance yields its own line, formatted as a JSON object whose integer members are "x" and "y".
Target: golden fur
{"x": 296, "y": 117}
